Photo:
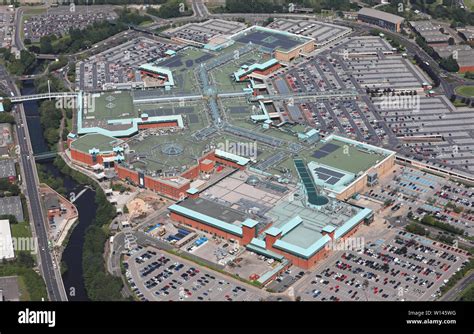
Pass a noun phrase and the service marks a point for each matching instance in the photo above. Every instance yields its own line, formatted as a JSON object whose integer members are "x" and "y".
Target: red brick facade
{"x": 143, "y": 126}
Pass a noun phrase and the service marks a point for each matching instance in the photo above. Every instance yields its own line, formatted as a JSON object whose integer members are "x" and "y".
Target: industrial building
{"x": 323, "y": 33}
{"x": 463, "y": 54}
{"x": 432, "y": 33}
{"x": 11, "y": 205}
{"x": 282, "y": 45}
{"x": 7, "y": 170}
{"x": 379, "y": 18}
{"x": 6, "y": 138}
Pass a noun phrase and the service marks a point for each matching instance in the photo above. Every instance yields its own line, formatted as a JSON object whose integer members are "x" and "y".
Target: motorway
{"x": 50, "y": 271}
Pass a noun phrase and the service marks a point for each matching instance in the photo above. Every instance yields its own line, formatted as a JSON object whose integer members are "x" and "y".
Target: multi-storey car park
{"x": 264, "y": 140}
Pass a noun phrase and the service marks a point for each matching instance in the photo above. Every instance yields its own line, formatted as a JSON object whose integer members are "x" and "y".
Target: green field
{"x": 114, "y": 105}
{"x": 469, "y": 4}
{"x": 20, "y": 230}
{"x": 94, "y": 140}
{"x": 467, "y": 91}
{"x": 348, "y": 158}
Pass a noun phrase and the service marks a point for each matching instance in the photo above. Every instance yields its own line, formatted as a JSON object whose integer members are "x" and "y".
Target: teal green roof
{"x": 341, "y": 231}
{"x": 192, "y": 191}
{"x": 205, "y": 219}
{"x": 328, "y": 228}
{"x": 258, "y": 246}
{"x": 159, "y": 70}
{"x": 232, "y": 157}
{"x": 257, "y": 66}
{"x": 302, "y": 252}
{"x": 95, "y": 143}
{"x": 250, "y": 223}
{"x": 273, "y": 231}
{"x": 291, "y": 224}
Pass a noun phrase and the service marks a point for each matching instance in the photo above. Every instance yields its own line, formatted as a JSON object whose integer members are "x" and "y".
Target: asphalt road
{"x": 53, "y": 283}
{"x": 454, "y": 292}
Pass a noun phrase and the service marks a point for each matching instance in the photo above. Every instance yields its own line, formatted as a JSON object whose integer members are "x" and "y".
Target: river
{"x": 86, "y": 206}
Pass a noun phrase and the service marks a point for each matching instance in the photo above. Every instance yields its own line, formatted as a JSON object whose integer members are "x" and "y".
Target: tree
{"x": 6, "y": 118}
{"x": 45, "y": 45}
{"x": 25, "y": 259}
{"x": 7, "y": 105}
{"x": 449, "y": 64}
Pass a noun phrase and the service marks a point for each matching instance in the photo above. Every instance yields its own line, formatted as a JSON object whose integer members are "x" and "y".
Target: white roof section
{"x": 6, "y": 242}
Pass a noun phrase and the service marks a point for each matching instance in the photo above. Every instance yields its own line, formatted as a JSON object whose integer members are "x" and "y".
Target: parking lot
{"x": 119, "y": 64}
{"x": 157, "y": 276}
{"x": 408, "y": 189}
{"x": 399, "y": 266}
{"x": 7, "y": 28}
{"x": 58, "y": 21}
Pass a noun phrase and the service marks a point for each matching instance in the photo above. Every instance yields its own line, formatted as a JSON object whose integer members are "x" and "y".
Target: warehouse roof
{"x": 381, "y": 15}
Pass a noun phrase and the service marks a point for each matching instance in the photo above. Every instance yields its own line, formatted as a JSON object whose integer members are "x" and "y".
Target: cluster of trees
{"x": 7, "y": 104}
{"x": 24, "y": 65}
{"x": 458, "y": 275}
{"x": 11, "y": 218}
{"x": 50, "y": 118}
{"x": 284, "y": 6}
{"x": 433, "y": 75}
{"x": 454, "y": 207}
{"x": 469, "y": 75}
{"x": 61, "y": 62}
{"x": 428, "y": 49}
{"x": 54, "y": 182}
{"x": 6, "y": 118}
{"x": 468, "y": 295}
{"x": 171, "y": 8}
{"x": 99, "y": 284}
{"x": 416, "y": 229}
{"x": 23, "y": 266}
{"x": 431, "y": 221}
{"x": 77, "y": 39}
{"x": 119, "y": 187}
{"x": 8, "y": 189}
{"x": 55, "y": 84}
{"x": 447, "y": 9}
{"x": 449, "y": 64}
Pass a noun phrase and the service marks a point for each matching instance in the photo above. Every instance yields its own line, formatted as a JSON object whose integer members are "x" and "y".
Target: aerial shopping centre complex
{"x": 207, "y": 132}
